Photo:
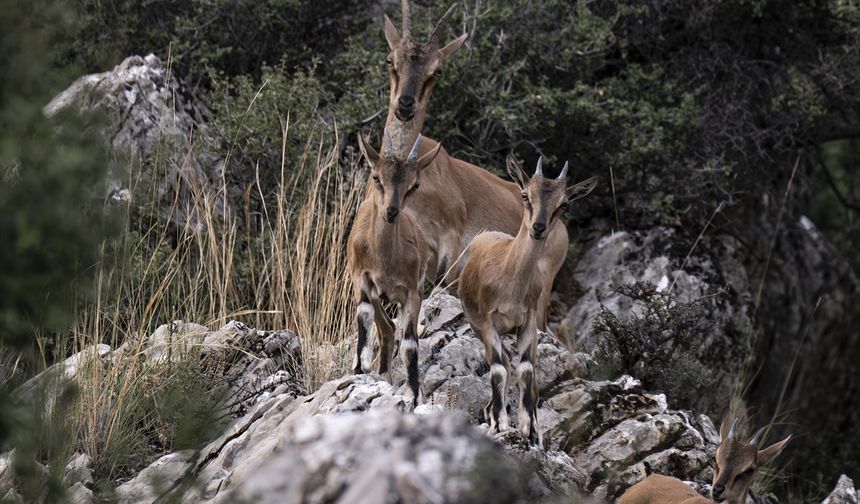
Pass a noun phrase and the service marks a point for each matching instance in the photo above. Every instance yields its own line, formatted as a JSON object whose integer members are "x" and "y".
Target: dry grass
{"x": 320, "y": 304}
{"x": 289, "y": 272}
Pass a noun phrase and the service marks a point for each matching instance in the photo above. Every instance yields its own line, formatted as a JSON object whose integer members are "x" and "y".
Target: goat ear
{"x": 368, "y": 151}
{"x": 453, "y": 46}
{"x": 581, "y": 189}
{"x": 391, "y": 34}
{"x": 428, "y": 158}
{"x": 772, "y": 451}
{"x": 516, "y": 171}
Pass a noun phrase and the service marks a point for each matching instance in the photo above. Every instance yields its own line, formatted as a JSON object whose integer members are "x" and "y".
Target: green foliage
{"x": 232, "y": 37}
{"x": 659, "y": 346}
{"x": 51, "y": 179}
{"x": 685, "y": 116}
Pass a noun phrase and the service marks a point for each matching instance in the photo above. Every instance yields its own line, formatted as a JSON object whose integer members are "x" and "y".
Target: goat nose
{"x": 391, "y": 213}
{"x": 717, "y": 490}
{"x": 406, "y": 102}
{"x": 539, "y": 227}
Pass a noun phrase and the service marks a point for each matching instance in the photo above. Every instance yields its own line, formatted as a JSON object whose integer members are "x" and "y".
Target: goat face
{"x": 394, "y": 180}
{"x": 544, "y": 198}
{"x": 737, "y": 462}
{"x": 413, "y": 68}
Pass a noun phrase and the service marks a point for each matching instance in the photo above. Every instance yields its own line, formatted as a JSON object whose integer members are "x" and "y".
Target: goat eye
{"x": 563, "y": 206}
{"x": 746, "y": 474}
{"x": 525, "y": 197}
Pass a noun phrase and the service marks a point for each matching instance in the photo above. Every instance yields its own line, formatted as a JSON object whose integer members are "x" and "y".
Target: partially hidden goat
{"x": 737, "y": 461}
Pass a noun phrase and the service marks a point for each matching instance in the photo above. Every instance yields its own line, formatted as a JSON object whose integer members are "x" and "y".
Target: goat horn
{"x": 407, "y": 19}
{"x": 539, "y": 169}
{"x": 732, "y": 430}
{"x": 563, "y": 174}
{"x": 434, "y": 37}
{"x": 757, "y": 437}
{"x": 388, "y": 151}
{"x": 413, "y": 154}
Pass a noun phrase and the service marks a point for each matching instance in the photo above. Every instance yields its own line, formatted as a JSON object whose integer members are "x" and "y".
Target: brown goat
{"x": 502, "y": 285}
{"x": 387, "y": 256}
{"x": 457, "y": 200}
{"x": 737, "y": 462}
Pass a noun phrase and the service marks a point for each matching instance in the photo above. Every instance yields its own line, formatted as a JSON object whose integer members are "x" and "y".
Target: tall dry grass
{"x": 289, "y": 271}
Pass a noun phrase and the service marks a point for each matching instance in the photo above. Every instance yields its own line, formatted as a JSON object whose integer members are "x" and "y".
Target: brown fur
{"x": 387, "y": 260}
{"x": 456, "y": 200}
{"x": 736, "y": 460}
{"x": 659, "y": 489}
{"x": 502, "y": 288}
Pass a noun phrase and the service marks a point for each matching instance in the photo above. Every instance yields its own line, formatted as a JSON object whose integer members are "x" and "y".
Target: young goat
{"x": 387, "y": 258}
{"x": 737, "y": 462}
{"x": 501, "y": 286}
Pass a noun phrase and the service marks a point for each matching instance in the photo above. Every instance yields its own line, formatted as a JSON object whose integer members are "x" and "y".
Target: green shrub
{"x": 659, "y": 346}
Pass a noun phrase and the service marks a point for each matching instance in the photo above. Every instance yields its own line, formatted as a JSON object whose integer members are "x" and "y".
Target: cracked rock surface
{"x": 355, "y": 440}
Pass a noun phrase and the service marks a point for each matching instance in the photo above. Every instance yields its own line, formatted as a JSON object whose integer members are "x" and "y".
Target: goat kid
{"x": 502, "y": 284}
{"x": 387, "y": 256}
{"x": 737, "y": 462}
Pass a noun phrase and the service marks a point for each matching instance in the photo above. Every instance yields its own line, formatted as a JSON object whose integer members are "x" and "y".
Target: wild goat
{"x": 737, "y": 462}
{"x": 387, "y": 257}
{"x": 502, "y": 283}
{"x": 457, "y": 200}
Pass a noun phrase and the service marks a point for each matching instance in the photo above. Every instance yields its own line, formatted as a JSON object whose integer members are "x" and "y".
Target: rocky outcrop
{"x": 355, "y": 440}
{"x": 148, "y": 112}
{"x": 710, "y": 275}
{"x": 844, "y": 493}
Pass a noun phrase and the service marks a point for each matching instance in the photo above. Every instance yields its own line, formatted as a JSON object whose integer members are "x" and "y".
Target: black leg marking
{"x": 364, "y": 317}
{"x": 409, "y": 351}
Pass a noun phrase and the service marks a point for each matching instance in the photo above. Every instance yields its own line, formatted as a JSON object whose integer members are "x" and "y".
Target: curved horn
{"x": 413, "y": 154}
{"x": 388, "y": 149}
{"x": 756, "y": 439}
{"x": 434, "y": 37}
{"x": 733, "y": 429}
{"x": 563, "y": 174}
{"x": 407, "y": 18}
{"x": 539, "y": 169}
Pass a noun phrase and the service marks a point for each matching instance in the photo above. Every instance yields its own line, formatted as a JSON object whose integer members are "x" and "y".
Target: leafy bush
{"x": 658, "y": 346}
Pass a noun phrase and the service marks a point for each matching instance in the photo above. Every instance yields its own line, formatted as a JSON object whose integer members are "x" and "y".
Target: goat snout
{"x": 538, "y": 229}
{"x": 391, "y": 214}
{"x": 405, "y": 107}
{"x": 717, "y": 491}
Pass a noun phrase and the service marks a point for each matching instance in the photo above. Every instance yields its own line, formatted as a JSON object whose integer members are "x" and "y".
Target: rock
{"x": 655, "y": 257}
{"x": 159, "y": 477}
{"x": 350, "y": 440}
{"x": 844, "y": 493}
{"x": 63, "y": 371}
{"x": 376, "y": 457}
{"x": 34, "y": 477}
{"x": 172, "y": 342}
{"x": 149, "y": 111}
{"x": 78, "y": 470}
{"x": 79, "y": 494}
